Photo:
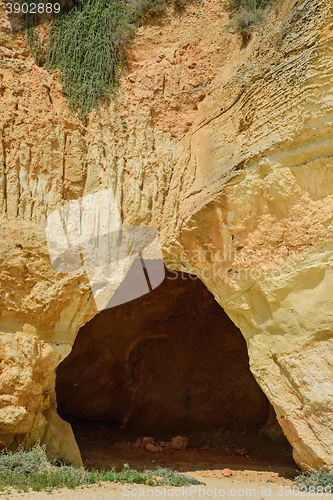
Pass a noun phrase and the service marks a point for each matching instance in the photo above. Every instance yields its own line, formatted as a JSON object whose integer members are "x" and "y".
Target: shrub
{"x": 31, "y": 470}
{"x": 244, "y": 19}
{"x": 247, "y": 13}
{"x": 87, "y": 44}
{"x": 317, "y": 480}
{"x": 158, "y": 477}
{"x": 174, "y": 478}
{"x": 25, "y": 470}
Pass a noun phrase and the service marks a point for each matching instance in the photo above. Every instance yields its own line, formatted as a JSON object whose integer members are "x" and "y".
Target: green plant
{"x": 31, "y": 470}
{"x": 87, "y": 44}
{"x": 316, "y": 481}
{"x": 243, "y": 20}
{"x": 160, "y": 476}
{"x": 26, "y": 470}
{"x": 174, "y": 478}
{"x": 245, "y": 14}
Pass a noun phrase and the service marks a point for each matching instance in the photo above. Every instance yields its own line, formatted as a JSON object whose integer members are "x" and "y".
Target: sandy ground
{"x": 254, "y": 484}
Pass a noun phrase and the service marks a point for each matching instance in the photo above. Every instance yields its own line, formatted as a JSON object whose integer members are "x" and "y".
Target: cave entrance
{"x": 168, "y": 363}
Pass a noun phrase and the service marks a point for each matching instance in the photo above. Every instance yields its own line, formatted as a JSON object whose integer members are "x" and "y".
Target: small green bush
{"x": 26, "y": 470}
{"x": 159, "y": 477}
{"x": 316, "y": 479}
{"x": 247, "y": 13}
{"x": 31, "y": 470}
{"x": 244, "y": 19}
{"x": 173, "y": 478}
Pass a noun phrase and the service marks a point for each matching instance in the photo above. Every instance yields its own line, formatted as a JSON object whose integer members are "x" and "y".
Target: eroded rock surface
{"x": 240, "y": 191}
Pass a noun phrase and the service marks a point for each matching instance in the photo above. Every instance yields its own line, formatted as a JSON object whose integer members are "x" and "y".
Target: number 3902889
{"x": 32, "y": 8}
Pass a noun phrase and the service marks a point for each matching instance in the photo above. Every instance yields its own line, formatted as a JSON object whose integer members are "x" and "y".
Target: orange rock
{"x": 152, "y": 448}
{"x": 179, "y": 443}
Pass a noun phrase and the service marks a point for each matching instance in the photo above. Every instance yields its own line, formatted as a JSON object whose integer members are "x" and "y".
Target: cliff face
{"x": 226, "y": 150}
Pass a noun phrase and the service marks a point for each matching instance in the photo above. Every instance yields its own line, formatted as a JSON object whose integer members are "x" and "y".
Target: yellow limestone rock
{"x": 227, "y": 152}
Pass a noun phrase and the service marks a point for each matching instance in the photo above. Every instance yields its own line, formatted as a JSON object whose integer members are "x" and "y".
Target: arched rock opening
{"x": 169, "y": 360}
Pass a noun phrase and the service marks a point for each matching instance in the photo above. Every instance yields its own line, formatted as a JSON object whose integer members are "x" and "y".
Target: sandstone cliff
{"x": 226, "y": 150}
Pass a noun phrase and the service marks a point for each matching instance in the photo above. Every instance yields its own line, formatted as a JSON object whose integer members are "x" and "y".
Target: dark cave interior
{"x": 170, "y": 362}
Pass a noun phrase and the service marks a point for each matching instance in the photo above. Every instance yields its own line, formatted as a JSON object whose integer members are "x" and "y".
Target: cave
{"x": 168, "y": 363}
